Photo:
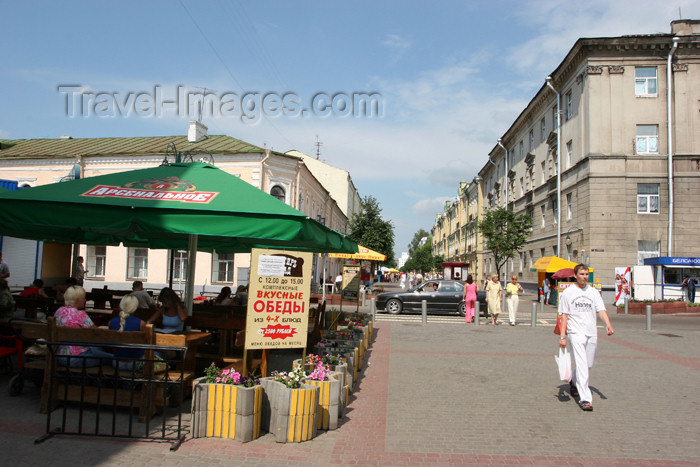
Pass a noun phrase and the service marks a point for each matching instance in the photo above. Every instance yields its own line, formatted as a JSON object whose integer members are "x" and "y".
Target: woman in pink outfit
{"x": 470, "y": 291}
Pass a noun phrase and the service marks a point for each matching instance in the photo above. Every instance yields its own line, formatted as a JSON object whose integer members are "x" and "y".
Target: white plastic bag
{"x": 564, "y": 363}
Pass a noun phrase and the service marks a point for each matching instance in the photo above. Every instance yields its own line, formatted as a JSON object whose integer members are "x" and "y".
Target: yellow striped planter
{"x": 328, "y": 409}
{"x": 226, "y": 411}
{"x": 289, "y": 414}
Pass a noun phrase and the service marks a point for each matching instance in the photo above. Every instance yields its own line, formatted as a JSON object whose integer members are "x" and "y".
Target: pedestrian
{"x": 470, "y": 291}
{"x": 412, "y": 279}
{"x": 494, "y": 298}
{"x": 80, "y": 270}
{"x": 402, "y": 284}
{"x": 578, "y": 305}
{"x": 338, "y": 282}
{"x": 4, "y": 268}
{"x": 546, "y": 290}
{"x": 689, "y": 284}
{"x": 486, "y": 281}
{"x": 512, "y": 299}
{"x": 419, "y": 277}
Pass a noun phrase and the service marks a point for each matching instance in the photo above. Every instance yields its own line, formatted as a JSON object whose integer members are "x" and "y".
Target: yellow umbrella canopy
{"x": 363, "y": 253}
{"x": 552, "y": 264}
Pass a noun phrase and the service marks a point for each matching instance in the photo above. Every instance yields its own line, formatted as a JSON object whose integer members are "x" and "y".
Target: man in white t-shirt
{"x": 578, "y": 305}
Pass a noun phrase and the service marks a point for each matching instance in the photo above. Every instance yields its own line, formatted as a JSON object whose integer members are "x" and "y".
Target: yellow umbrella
{"x": 552, "y": 264}
{"x": 363, "y": 253}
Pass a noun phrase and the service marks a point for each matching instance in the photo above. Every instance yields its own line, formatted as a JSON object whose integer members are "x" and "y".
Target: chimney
{"x": 197, "y": 132}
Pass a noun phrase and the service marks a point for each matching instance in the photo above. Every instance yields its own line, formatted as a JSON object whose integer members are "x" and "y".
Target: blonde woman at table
{"x": 71, "y": 315}
{"x": 172, "y": 310}
{"x": 126, "y": 322}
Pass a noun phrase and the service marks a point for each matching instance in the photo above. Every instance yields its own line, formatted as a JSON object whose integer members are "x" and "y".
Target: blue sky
{"x": 452, "y": 76}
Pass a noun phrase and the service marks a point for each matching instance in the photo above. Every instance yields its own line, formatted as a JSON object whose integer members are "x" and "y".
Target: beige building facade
{"x": 39, "y": 162}
{"x": 606, "y": 157}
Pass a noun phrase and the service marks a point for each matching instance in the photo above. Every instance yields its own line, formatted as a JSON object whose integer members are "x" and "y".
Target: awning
{"x": 363, "y": 253}
{"x": 553, "y": 264}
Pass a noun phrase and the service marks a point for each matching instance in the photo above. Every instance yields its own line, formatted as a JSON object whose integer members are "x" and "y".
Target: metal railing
{"x": 105, "y": 396}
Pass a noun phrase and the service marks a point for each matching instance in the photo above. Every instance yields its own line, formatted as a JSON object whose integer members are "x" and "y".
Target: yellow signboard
{"x": 278, "y": 299}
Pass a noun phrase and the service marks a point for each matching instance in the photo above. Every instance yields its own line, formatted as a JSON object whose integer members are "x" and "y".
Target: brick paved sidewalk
{"x": 446, "y": 394}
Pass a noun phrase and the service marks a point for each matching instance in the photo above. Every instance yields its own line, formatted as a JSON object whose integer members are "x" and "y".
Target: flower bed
{"x": 227, "y": 405}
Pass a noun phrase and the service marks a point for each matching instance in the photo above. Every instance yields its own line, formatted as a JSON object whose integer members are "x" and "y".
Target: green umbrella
{"x": 179, "y": 206}
{"x": 161, "y": 207}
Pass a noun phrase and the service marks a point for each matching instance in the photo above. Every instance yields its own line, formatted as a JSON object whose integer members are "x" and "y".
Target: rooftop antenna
{"x": 200, "y": 102}
{"x": 318, "y": 145}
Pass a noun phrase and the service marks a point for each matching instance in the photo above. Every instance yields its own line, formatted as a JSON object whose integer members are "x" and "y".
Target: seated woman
{"x": 172, "y": 310}
{"x": 224, "y": 297}
{"x": 71, "y": 315}
{"x": 127, "y": 322}
{"x": 36, "y": 289}
{"x": 241, "y": 297}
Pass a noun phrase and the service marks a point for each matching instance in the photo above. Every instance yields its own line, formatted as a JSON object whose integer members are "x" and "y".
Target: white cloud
{"x": 430, "y": 206}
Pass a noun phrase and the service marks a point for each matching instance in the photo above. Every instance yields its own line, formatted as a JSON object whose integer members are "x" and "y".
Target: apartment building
{"x": 606, "y": 156}
{"x": 36, "y": 162}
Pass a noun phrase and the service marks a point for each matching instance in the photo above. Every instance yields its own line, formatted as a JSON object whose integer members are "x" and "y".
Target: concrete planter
{"x": 226, "y": 411}
{"x": 349, "y": 352}
{"x": 328, "y": 409}
{"x": 289, "y": 414}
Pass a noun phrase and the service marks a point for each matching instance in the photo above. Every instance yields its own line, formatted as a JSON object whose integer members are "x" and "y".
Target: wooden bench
{"x": 34, "y": 304}
{"x": 146, "y": 398}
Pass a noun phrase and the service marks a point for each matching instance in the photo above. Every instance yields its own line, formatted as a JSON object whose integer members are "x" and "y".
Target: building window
{"x": 569, "y": 105}
{"x": 647, "y": 139}
{"x": 555, "y": 251}
{"x": 532, "y": 140}
{"x": 569, "y": 154}
{"x": 138, "y": 263}
{"x": 647, "y": 249}
{"x": 522, "y": 151}
{"x": 554, "y": 211}
{"x": 278, "y": 192}
{"x": 543, "y": 130}
{"x": 569, "y": 251}
{"x": 569, "y": 207}
{"x": 96, "y": 259}
{"x": 522, "y": 186}
{"x": 647, "y": 198}
{"x": 179, "y": 265}
{"x": 555, "y": 122}
{"x": 544, "y": 216}
{"x": 544, "y": 176}
{"x": 542, "y": 253}
{"x": 645, "y": 82}
{"x": 532, "y": 255}
{"x": 222, "y": 267}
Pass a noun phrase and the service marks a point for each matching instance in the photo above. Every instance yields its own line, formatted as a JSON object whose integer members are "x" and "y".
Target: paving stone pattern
{"x": 453, "y": 394}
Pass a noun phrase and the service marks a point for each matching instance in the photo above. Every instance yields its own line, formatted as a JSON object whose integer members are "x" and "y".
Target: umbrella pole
{"x": 191, "y": 260}
{"x": 323, "y": 279}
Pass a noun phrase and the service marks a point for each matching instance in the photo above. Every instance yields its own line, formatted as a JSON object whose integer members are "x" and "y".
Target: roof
{"x": 132, "y": 146}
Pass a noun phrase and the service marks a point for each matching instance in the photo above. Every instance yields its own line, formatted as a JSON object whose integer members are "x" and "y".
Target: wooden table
{"x": 192, "y": 340}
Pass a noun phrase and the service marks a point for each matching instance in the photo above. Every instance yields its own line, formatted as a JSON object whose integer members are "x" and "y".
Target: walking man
{"x": 578, "y": 306}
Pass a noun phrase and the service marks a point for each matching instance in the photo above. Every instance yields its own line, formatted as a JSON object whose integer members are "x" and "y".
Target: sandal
{"x": 585, "y": 405}
{"x": 573, "y": 390}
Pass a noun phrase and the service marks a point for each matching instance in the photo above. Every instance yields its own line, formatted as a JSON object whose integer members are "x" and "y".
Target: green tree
{"x": 417, "y": 237}
{"x": 504, "y": 234}
{"x": 369, "y": 229}
{"x": 421, "y": 254}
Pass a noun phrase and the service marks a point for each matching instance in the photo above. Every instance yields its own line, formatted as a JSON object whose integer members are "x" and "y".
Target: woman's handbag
{"x": 564, "y": 363}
